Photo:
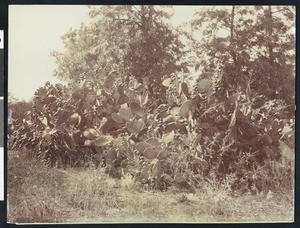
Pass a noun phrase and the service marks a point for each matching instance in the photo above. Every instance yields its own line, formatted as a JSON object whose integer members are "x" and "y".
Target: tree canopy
{"x": 254, "y": 47}
{"x": 134, "y": 41}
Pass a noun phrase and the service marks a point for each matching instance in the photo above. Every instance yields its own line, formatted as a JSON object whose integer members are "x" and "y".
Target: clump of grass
{"x": 41, "y": 194}
{"x": 92, "y": 190}
{"x": 34, "y": 191}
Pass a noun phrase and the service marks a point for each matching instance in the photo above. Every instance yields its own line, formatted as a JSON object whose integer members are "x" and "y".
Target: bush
{"x": 204, "y": 135}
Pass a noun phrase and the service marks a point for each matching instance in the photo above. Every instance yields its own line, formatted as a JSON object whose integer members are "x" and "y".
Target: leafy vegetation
{"x": 131, "y": 108}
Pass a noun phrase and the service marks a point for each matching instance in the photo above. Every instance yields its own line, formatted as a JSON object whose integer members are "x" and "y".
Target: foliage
{"x": 220, "y": 131}
{"x": 183, "y": 142}
{"x": 254, "y": 46}
{"x": 141, "y": 44}
{"x": 20, "y": 107}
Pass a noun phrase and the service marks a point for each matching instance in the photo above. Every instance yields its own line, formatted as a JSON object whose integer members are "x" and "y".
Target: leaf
{"x": 169, "y": 137}
{"x": 9, "y": 116}
{"x": 171, "y": 99}
{"x": 143, "y": 98}
{"x": 61, "y": 127}
{"x": 48, "y": 132}
{"x": 118, "y": 142}
{"x": 120, "y": 89}
{"x": 126, "y": 147}
{"x": 163, "y": 154}
{"x": 29, "y": 122}
{"x": 233, "y": 118}
{"x": 185, "y": 109}
{"x": 276, "y": 126}
{"x": 136, "y": 109}
{"x": 117, "y": 118}
{"x": 145, "y": 173}
{"x": 38, "y": 105}
{"x": 168, "y": 178}
{"x": 125, "y": 163}
{"x": 143, "y": 131}
{"x": 286, "y": 151}
{"x": 108, "y": 126}
{"x": 135, "y": 127}
{"x": 41, "y": 93}
{"x": 185, "y": 90}
{"x": 102, "y": 122}
{"x": 153, "y": 141}
{"x": 59, "y": 86}
{"x": 175, "y": 112}
{"x": 53, "y": 107}
{"x": 229, "y": 101}
{"x": 116, "y": 95}
{"x": 139, "y": 88}
{"x": 69, "y": 142}
{"x": 161, "y": 115}
{"x": 197, "y": 140}
{"x": 266, "y": 139}
{"x": 131, "y": 95}
{"x": 177, "y": 85}
{"x": 167, "y": 82}
{"x": 109, "y": 82}
{"x": 99, "y": 92}
{"x": 140, "y": 147}
{"x": 99, "y": 155}
{"x": 91, "y": 97}
{"x": 204, "y": 85}
{"x": 162, "y": 108}
{"x": 150, "y": 152}
{"x": 49, "y": 99}
{"x": 175, "y": 126}
{"x": 156, "y": 167}
{"x": 77, "y": 95}
{"x": 124, "y": 106}
{"x": 91, "y": 133}
{"x": 45, "y": 121}
{"x": 103, "y": 140}
{"x": 88, "y": 142}
{"x": 247, "y": 134}
{"x": 111, "y": 156}
{"x": 75, "y": 118}
{"x": 126, "y": 113}
{"x": 168, "y": 119}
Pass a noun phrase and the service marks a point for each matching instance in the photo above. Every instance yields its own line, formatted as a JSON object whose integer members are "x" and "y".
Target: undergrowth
{"x": 39, "y": 194}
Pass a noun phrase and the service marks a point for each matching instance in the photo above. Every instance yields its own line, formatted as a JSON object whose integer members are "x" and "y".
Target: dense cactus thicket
{"x": 159, "y": 127}
{"x": 182, "y": 142}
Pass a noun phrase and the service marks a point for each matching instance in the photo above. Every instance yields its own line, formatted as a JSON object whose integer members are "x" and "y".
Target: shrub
{"x": 195, "y": 136}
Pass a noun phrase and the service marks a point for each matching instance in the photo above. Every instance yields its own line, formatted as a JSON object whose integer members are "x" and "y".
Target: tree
{"x": 20, "y": 108}
{"x": 252, "y": 45}
{"x": 134, "y": 41}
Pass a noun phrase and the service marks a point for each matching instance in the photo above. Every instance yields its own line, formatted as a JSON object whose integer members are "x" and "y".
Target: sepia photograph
{"x": 151, "y": 114}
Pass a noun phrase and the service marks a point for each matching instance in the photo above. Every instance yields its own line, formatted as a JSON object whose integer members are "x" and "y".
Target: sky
{"x": 36, "y": 30}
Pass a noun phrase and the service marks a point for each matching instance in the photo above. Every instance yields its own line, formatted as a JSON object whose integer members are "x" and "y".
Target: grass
{"x": 38, "y": 194}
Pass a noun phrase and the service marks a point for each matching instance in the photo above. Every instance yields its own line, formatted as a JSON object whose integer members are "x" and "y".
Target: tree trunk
{"x": 270, "y": 33}
{"x": 232, "y": 45}
{"x": 143, "y": 21}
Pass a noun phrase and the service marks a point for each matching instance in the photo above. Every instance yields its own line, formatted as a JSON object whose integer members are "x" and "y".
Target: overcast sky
{"x": 35, "y": 31}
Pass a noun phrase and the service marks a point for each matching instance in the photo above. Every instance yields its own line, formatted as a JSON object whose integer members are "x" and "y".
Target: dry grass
{"x": 46, "y": 195}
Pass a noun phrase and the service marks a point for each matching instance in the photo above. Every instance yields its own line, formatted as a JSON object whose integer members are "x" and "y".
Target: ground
{"x": 42, "y": 194}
